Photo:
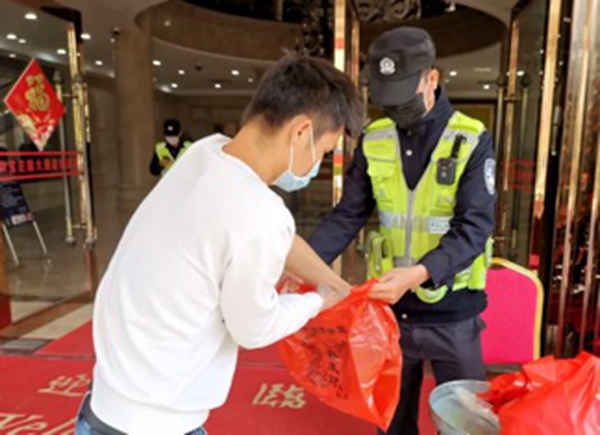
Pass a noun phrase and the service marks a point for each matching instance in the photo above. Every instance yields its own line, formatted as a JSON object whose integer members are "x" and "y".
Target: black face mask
{"x": 409, "y": 113}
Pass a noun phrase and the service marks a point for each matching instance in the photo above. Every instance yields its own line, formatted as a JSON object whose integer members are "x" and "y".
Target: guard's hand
{"x": 397, "y": 282}
{"x": 165, "y": 163}
{"x": 331, "y": 296}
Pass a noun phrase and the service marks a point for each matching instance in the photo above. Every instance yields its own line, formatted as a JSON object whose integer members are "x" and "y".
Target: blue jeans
{"x": 82, "y": 427}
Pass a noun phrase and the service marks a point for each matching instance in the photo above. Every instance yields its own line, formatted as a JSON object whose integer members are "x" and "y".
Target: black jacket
{"x": 155, "y": 167}
{"x": 471, "y": 226}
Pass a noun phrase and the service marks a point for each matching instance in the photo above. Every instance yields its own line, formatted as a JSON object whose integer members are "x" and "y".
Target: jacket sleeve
{"x": 342, "y": 225}
{"x": 473, "y": 221}
{"x": 155, "y": 168}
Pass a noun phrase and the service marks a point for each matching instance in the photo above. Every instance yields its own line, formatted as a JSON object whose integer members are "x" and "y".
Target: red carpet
{"x": 76, "y": 343}
{"x": 41, "y": 395}
{"x": 263, "y": 400}
{"x": 267, "y": 357}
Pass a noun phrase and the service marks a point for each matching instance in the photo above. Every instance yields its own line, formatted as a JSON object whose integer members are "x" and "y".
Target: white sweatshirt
{"x": 192, "y": 278}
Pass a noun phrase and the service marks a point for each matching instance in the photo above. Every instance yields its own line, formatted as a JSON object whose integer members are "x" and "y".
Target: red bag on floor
{"x": 549, "y": 397}
{"x": 349, "y": 357}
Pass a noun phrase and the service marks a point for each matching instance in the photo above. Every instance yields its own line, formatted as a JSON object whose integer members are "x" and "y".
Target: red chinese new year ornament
{"x": 350, "y": 358}
{"x": 34, "y": 103}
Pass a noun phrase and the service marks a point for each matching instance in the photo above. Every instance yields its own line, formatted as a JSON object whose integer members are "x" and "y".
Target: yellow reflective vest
{"x": 162, "y": 152}
{"x": 412, "y": 222}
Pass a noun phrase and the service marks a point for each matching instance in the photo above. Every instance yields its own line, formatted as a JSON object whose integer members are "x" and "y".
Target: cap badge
{"x": 387, "y": 67}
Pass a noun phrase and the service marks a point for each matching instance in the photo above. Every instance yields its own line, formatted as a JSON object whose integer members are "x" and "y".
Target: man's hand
{"x": 165, "y": 163}
{"x": 288, "y": 283}
{"x": 397, "y": 282}
{"x": 331, "y": 296}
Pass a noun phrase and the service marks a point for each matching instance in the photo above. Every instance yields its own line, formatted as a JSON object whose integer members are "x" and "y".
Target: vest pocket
{"x": 382, "y": 174}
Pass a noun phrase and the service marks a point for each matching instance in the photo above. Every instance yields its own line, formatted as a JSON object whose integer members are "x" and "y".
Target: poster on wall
{"x": 35, "y": 105}
{"x": 14, "y": 209}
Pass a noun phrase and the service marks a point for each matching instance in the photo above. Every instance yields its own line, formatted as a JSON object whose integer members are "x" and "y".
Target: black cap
{"x": 172, "y": 127}
{"x": 397, "y": 60}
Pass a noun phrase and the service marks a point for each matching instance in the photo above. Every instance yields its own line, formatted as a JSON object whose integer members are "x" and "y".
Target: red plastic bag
{"x": 549, "y": 397}
{"x": 349, "y": 357}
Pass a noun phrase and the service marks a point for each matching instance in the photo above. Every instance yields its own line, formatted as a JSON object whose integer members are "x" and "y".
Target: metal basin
{"x": 453, "y": 416}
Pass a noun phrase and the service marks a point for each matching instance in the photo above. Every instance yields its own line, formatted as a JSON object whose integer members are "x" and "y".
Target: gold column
{"x": 81, "y": 134}
{"x": 355, "y": 73}
{"x": 278, "y": 8}
{"x": 69, "y": 234}
{"x": 3, "y": 273}
{"x": 545, "y": 130}
{"x": 571, "y": 153}
{"x": 591, "y": 278}
{"x": 502, "y": 237}
{"x": 592, "y": 140}
{"x": 339, "y": 60}
{"x": 346, "y": 58}
{"x": 499, "y": 121}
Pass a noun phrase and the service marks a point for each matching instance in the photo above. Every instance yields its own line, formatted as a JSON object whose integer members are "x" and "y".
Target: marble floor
{"x": 41, "y": 284}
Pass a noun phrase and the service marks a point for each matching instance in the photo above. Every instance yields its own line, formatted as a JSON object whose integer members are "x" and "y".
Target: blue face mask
{"x": 290, "y": 182}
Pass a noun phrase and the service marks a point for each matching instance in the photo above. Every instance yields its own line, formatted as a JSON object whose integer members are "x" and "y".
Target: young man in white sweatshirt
{"x": 174, "y": 306}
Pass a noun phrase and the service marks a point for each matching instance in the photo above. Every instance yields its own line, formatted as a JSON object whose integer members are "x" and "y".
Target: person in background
{"x": 194, "y": 276}
{"x": 167, "y": 152}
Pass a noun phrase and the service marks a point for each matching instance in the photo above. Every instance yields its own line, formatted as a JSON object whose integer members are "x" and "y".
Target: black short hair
{"x": 299, "y": 84}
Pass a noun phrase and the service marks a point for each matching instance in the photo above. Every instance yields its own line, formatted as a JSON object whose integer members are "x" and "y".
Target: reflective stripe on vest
{"x": 162, "y": 152}
{"x": 414, "y": 221}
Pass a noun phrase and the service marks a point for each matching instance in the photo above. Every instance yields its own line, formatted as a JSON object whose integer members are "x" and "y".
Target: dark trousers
{"x": 454, "y": 350}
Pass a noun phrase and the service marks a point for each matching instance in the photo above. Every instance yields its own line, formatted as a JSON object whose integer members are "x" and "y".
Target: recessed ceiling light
{"x": 99, "y": 63}
{"x": 482, "y": 70}
{"x": 156, "y": 63}
{"x": 11, "y": 37}
{"x": 61, "y": 51}
{"x": 487, "y": 87}
{"x": 86, "y": 36}
{"x": 181, "y": 72}
{"x": 22, "y": 41}
{"x": 167, "y": 23}
{"x": 12, "y": 56}
{"x": 453, "y": 73}
{"x": 218, "y": 85}
{"x": 250, "y": 80}
{"x": 235, "y": 72}
{"x": 112, "y": 40}
{"x": 447, "y": 80}
{"x": 30, "y": 16}
{"x": 174, "y": 85}
{"x": 521, "y": 73}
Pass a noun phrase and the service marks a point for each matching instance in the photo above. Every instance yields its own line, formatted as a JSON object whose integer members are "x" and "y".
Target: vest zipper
{"x": 409, "y": 212}
{"x": 409, "y": 225}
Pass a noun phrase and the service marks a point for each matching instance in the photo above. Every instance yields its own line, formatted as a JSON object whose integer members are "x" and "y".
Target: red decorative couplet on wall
{"x": 34, "y": 103}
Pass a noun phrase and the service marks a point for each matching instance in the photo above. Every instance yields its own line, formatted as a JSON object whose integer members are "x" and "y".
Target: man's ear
{"x": 300, "y": 127}
{"x": 434, "y": 77}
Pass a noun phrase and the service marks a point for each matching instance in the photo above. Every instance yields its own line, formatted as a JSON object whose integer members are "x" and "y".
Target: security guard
{"x": 430, "y": 171}
{"x": 167, "y": 152}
